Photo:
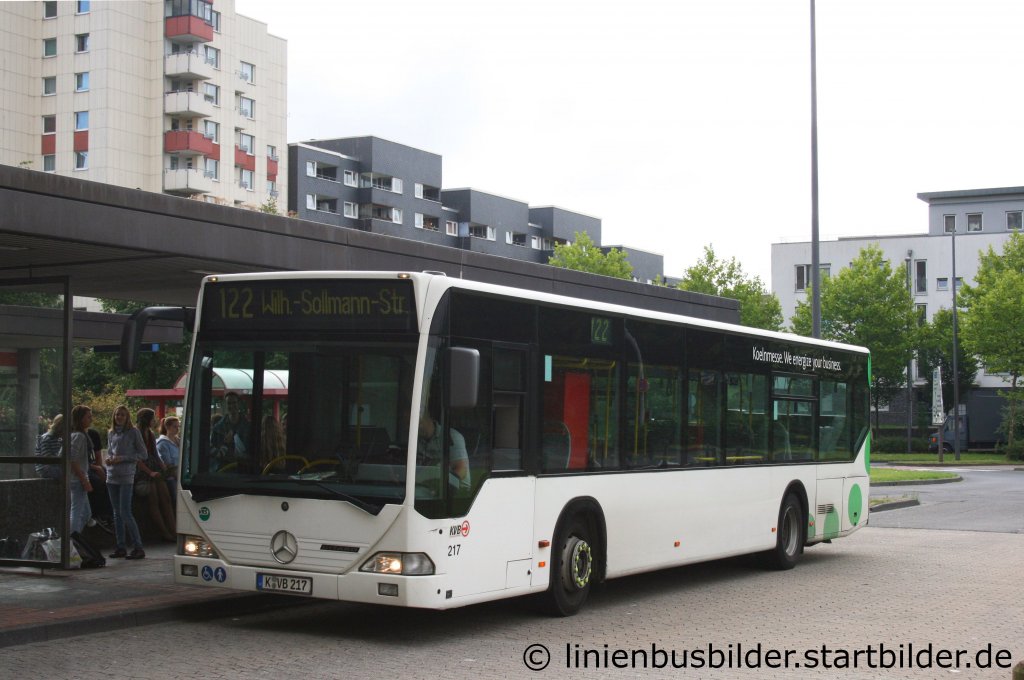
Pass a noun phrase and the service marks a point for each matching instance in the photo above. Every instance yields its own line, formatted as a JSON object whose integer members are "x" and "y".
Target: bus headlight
{"x": 405, "y": 564}
{"x": 197, "y": 546}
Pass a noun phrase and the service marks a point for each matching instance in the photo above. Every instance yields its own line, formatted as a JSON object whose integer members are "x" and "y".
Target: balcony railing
{"x": 187, "y": 65}
{"x": 187, "y": 181}
{"x": 187, "y": 29}
{"x": 192, "y": 104}
{"x": 188, "y": 142}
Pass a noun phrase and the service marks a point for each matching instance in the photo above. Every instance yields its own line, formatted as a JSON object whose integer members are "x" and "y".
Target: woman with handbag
{"x": 150, "y": 478}
{"x": 124, "y": 449}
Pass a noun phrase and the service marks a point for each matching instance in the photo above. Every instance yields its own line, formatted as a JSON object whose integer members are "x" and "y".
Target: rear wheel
{"x": 789, "y": 536}
{"x": 572, "y": 569}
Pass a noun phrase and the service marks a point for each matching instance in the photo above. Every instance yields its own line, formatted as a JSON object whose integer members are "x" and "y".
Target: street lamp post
{"x": 910, "y": 362}
{"x": 956, "y": 373}
{"x": 815, "y": 264}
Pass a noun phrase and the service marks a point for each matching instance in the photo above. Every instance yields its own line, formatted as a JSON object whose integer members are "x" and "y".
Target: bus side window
{"x": 705, "y": 414}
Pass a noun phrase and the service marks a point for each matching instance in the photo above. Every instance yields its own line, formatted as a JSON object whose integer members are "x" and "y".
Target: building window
{"x": 920, "y": 276}
{"x": 246, "y": 106}
{"x": 211, "y": 131}
{"x": 417, "y": 190}
{"x": 246, "y": 142}
{"x": 1013, "y": 220}
{"x": 49, "y": 124}
{"x": 82, "y": 42}
{"x": 514, "y": 238}
{"x": 83, "y": 7}
{"x": 212, "y": 168}
{"x": 536, "y": 242}
{"x": 922, "y": 314}
{"x": 245, "y": 179}
{"x": 396, "y": 215}
{"x": 314, "y": 202}
{"x": 246, "y": 71}
{"x": 211, "y": 93}
{"x": 974, "y": 222}
{"x": 215, "y": 20}
{"x": 49, "y": 85}
{"x": 351, "y": 210}
{"x": 272, "y": 187}
{"x": 321, "y": 171}
{"x": 271, "y": 152}
{"x": 451, "y": 227}
{"x": 212, "y": 55}
{"x": 481, "y": 231}
{"x": 50, "y": 9}
{"x": 50, "y": 47}
{"x": 351, "y": 178}
{"x": 803, "y": 272}
{"x": 49, "y": 163}
{"x": 418, "y": 220}
{"x": 427, "y": 222}
{"x": 82, "y": 81}
{"x": 81, "y": 160}
{"x": 942, "y": 283}
{"x": 81, "y": 120}
{"x": 949, "y": 223}
{"x": 959, "y": 282}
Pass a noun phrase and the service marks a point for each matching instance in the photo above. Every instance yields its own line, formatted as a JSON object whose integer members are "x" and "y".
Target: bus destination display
{"x": 314, "y": 304}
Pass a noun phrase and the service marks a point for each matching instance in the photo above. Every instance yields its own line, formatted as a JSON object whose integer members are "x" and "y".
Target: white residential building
{"x": 982, "y": 218}
{"x": 181, "y": 96}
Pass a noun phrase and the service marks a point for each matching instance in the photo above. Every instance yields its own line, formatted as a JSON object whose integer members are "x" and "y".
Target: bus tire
{"x": 789, "y": 543}
{"x": 572, "y": 568}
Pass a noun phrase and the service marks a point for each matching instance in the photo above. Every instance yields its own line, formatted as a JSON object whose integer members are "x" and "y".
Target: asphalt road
{"x": 987, "y": 500}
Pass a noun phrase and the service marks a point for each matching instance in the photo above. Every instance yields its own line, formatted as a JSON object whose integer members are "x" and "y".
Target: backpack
{"x": 91, "y": 557}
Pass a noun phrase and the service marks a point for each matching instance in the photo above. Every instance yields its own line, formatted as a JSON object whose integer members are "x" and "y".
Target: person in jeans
{"x": 78, "y": 453}
{"x": 124, "y": 449}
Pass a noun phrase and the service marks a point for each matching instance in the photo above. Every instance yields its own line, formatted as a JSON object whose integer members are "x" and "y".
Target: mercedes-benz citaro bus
{"x": 417, "y": 440}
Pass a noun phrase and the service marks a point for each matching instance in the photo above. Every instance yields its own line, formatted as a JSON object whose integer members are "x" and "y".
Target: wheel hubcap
{"x": 580, "y": 564}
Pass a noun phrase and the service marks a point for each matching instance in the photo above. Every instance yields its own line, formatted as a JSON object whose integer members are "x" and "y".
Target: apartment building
{"x": 980, "y": 218}
{"x": 178, "y": 96}
{"x": 376, "y": 185}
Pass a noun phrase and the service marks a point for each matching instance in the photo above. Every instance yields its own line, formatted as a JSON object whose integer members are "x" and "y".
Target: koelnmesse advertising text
{"x": 904, "y": 656}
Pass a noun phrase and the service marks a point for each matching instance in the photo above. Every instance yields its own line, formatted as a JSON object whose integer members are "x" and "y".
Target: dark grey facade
{"x": 375, "y": 185}
{"x": 647, "y": 267}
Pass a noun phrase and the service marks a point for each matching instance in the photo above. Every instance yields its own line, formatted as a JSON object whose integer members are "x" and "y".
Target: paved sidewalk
{"x": 37, "y": 605}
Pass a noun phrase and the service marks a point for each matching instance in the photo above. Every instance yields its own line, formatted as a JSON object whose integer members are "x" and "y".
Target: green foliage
{"x": 25, "y": 299}
{"x": 868, "y": 304}
{"x": 269, "y": 206}
{"x": 758, "y": 307}
{"x": 935, "y": 348}
{"x": 993, "y": 320}
{"x": 584, "y": 256}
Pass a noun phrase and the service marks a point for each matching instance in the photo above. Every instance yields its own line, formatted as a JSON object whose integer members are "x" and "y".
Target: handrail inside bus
{"x": 135, "y": 328}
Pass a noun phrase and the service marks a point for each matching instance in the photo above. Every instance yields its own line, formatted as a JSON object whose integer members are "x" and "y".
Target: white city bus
{"x": 445, "y": 442}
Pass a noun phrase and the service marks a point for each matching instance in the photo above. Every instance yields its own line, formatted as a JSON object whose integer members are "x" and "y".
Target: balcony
{"x": 187, "y": 182}
{"x": 187, "y": 29}
{"x": 187, "y": 66}
{"x": 244, "y": 159}
{"x": 187, "y": 143}
{"x": 271, "y": 169}
{"x": 191, "y": 104}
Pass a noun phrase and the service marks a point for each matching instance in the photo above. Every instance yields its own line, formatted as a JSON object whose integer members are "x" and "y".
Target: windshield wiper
{"x": 371, "y": 508}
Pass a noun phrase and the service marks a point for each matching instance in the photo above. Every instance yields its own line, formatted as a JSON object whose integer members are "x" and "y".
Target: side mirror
{"x": 135, "y": 328}
{"x": 463, "y": 376}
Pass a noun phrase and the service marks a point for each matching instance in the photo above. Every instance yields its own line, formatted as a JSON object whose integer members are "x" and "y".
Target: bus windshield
{"x": 314, "y": 419}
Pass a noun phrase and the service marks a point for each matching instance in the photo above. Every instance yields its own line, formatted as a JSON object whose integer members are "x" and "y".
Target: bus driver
{"x": 430, "y": 446}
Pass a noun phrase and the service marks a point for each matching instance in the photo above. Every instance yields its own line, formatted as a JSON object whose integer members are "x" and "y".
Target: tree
{"x": 993, "y": 321}
{"x": 758, "y": 307}
{"x": 584, "y": 256}
{"x": 868, "y": 304}
{"x": 269, "y": 206}
{"x": 935, "y": 349}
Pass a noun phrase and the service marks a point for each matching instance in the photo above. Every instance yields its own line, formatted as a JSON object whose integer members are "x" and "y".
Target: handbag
{"x": 141, "y": 487}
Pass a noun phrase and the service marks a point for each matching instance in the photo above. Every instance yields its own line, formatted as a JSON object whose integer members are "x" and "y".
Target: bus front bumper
{"x": 408, "y": 591}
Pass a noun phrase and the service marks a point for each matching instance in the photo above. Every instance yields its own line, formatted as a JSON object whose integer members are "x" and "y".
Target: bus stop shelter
{"x": 62, "y": 237}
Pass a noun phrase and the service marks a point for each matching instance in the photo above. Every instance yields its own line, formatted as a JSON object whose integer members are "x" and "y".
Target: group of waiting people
{"x": 136, "y": 462}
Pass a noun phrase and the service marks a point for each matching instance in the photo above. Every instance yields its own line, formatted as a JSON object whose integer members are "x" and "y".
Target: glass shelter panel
{"x": 34, "y": 328}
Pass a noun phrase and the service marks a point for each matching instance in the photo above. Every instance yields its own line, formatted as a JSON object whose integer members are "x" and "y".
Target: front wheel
{"x": 572, "y": 569}
{"x": 789, "y": 536}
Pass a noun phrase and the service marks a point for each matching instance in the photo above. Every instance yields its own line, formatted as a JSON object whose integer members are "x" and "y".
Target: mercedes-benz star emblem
{"x": 284, "y": 547}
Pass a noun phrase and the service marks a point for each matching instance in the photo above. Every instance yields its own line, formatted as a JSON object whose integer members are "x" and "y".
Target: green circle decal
{"x": 204, "y": 513}
{"x": 856, "y": 504}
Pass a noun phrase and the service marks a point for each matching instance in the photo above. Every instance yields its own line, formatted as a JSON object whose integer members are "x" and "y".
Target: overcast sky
{"x": 679, "y": 123}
